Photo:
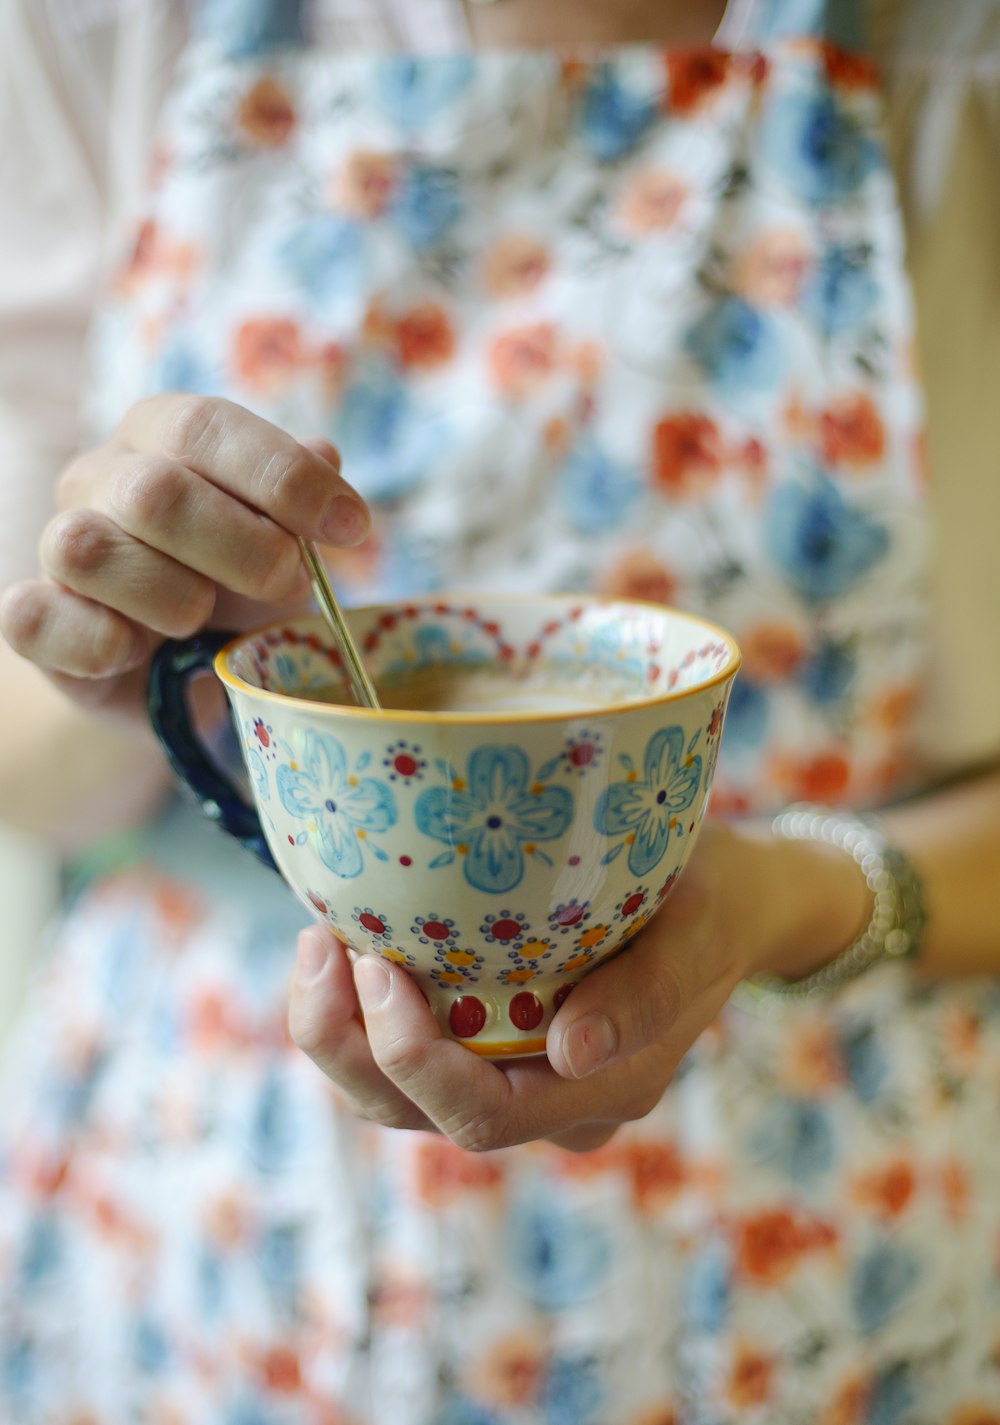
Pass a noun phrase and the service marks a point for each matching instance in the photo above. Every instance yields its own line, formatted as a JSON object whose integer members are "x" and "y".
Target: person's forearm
{"x": 953, "y": 838}
{"x": 814, "y": 900}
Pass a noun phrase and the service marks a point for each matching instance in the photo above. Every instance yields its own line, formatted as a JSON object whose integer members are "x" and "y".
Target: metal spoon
{"x": 361, "y": 684}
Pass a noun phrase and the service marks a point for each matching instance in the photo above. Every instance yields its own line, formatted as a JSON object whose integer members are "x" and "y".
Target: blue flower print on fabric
{"x": 613, "y": 119}
{"x": 382, "y": 436}
{"x": 428, "y": 203}
{"x": 828, "y": 673}
{"x": 747, "y": 716}
{"x": 597, "y": 493}
{"x": 494, "y": 811}
{"x": 796, "y": 1138}
{"x": 706, "y": 1288}
{"x": 864, "y": 1060}
{"x": 892, "y": 1395}
{"x": 182, "y": 367}
{"x": 150, "y": 1346}
{"x": 838, "y": 20}
{"x": 882, "y": 1279}
{"x": 326, "y": 257}
{"x": 558, "y": 1256}
{"x": 820, "y": 543}
{"x": 572, "y": 1391}
{"x": 738, "y": 347}
{"x": 840, "y": 292}
{"x": 414, "y": 91}
{"x": 644, "y": 809}
{"x": 460, "y": 1410}
{"x": 245, "y": 28}
{"x": 320, "y": 790}
{"x": 815, "y": 148}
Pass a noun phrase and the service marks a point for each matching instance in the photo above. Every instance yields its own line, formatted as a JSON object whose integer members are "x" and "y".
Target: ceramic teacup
{"x": 515, "y": 814}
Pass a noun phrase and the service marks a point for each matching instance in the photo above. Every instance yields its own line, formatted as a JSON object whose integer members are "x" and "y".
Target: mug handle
{"x": 174, "y": 664}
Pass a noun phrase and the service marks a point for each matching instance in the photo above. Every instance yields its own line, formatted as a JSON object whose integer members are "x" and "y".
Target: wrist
{"x": 814, "y": 902}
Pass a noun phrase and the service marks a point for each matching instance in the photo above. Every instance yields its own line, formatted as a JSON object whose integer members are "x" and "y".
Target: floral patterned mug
{"x": 501, "y": 849}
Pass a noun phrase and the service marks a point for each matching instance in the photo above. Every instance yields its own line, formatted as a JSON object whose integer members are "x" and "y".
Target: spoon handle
{"x": 361, "y": 684}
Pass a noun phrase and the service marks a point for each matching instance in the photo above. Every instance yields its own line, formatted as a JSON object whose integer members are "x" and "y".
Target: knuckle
{"x": 191, "y": 423}
{"x": 389, "y": 1113}
{"x": 476, "y": 1135}
{"x": 150, "y": 493}
{"x": 289, "y": 484}
{"x": 270, "y": 568}
{"x": 306, "y": 1030}
{"x": 192, "y": 609}
{"x": 399, "y": 1058}
{"x": 108, "y": 647}
{"x": 75, "y": 545}
{"x": 72, "y": 483}
{"x": 23, "y": 618}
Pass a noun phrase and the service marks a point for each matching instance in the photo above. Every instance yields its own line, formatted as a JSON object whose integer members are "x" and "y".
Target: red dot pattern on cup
{"x": 633, "y": 903}
{"x": 372, "y": 923}
{"x": 405, "y": 765}
{"x": 467, "y": 1017}
{"x": 526, "y": 1011}
{"x": 435, "y": 930}
{"x": 504, "y": 929}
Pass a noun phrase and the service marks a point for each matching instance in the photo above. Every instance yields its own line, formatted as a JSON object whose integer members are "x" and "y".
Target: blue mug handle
{"x": 174, "y": 664}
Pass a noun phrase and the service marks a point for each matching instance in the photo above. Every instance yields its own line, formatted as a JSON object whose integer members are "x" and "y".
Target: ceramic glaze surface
{"x": 497, "y": 856}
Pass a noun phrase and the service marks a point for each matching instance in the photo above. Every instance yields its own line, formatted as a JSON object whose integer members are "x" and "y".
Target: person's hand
{"x": 186, "y": 517}
{"x": 745, "y": 903}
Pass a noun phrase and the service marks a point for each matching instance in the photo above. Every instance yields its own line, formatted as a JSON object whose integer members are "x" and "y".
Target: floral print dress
{"x": 629, "y": 320}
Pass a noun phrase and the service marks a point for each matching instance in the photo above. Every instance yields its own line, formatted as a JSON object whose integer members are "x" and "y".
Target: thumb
{"x": 634, "y": 1000}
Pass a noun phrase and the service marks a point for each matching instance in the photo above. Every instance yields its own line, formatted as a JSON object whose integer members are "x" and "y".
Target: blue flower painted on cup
{"x": 412, "y": 91}
{"x": 496, "y": 813}
{"x": 816, "y": 148}
{"x": 345, "y": 808}
{"x": 820, "y": 543}
{"x": 643, "y": 809}
{"x": 738, "y": 347}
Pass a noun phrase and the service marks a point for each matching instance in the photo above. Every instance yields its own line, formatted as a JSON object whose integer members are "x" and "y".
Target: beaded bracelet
{"x": 898, "y": 916}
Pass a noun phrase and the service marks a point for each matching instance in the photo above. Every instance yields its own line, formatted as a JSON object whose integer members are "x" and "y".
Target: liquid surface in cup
{"x": 486, "y": 689}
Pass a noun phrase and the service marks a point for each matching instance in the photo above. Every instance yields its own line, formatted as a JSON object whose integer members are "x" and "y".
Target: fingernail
{"x": 346, "y": 521}
{"x": 312, "y": 957}
{"x": 372, "y": 981}
{"x": 588, "y": 1044}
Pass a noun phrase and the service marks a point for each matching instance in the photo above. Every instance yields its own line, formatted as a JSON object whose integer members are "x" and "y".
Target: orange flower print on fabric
{"x": 687, "y": 454}
{"x": 849, "y": 1405}
{"x": 694, "y": 78}
{"x": 365, "y": 186}
{"x": 655, "y": 1415}
{"x": 886, "y": 1190}
{"x": 424, "y": 337}
{"x": 516, "y": 265}
{"x": 848, "y": 70}
{"x": 522, "y": 359}
{"x": 267, "y": 353}
{"x": 810, "y": 1061}
{"x": 772, "y": 652}
{"x": 657, "y": 1172}
{"x": 851, "y": 432}
{"x": 640, "y": 574}
{"x": 511, "y": 1371}
{"x": 266, "y": 114}
{"x": 974, "y": 1414}
{"x": 750, "y": 1377}
{"x": 769, "y": 272}
{"x": 279, "y": 1371}
{"x": 771, "y": 1243}
{"x": 822, "y": 778}
{"x": 443, "y": 1172}
{"x": 651, "y": 201}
